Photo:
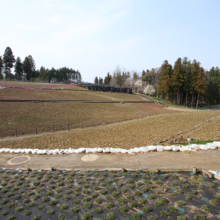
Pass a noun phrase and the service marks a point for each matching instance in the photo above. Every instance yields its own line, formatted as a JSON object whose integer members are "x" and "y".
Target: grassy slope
{"x": 126, "y": 135}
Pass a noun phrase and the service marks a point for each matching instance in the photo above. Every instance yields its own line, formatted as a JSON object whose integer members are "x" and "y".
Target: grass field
{"x": 107, "y": 195}
{"x": 126, "y": 135}
{"x": 26, "y": 116}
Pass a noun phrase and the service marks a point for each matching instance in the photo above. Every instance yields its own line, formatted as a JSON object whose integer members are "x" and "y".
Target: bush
{"x": 36, "y": 217}
{"x": 181, "y": 218}
{"x": 57, "y": 196}
{"x": 32, "y": 204}
{"x": 205, "y": 208}
{"x": 87, "y": 205}
{"x": 124, "y": 190}
{"x": 152, "y": 196}
{"x": 94, "y": 195}
{"x": 110, "y": 216}
{"x": 214, "y": 201}
{"x": 86, "y": 199}
{"x": 115, "y": 195}
{"x": 159, "y": 182}
{"x": 75, "y": 210}
{"x": 134, "y": 204}
{"x": 172, "y": 209}
{"x": 40, "y": 207}
{"x": 164, "y": 200}
{"x": 19, "y": 209}
{"x": 188, "y": 196}
{"x": 109, "y": 205}
{"x": 181, "y": 203}
{"x": 136, "y": 215}
{"x": 50, "y": 211}
{"x": 200, "y": 216}
{"x": 10, "y": 217}
{"x": 147, "y": 209}
{"x": 62, "y": 217}
{"x": 64, "y": 207}
{"x": 123, "y": 209}
{"x": 4, "y": 213}
{"x": 87, "y": 216}
{"x": 145, "y": 190}
{"x": 158, "y": 203}
{"x": 98, "y": 210}
{"x": 142, "y": 201}
{"x": 27, "y": 212}
{"x": 103, "y": 191}
{"x": 45, "y": 199}
{"x": 138, "y": 193}
{"x": 121, "y": 200}
{"x": 164, "y": 213}
{"x": 98, "y": 201}
{"x": 53, "y": 202}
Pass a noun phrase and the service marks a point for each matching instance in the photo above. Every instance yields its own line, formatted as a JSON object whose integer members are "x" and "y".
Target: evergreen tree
{"x": 18, "y": 69}
{"x": 100, "y": 80}
{"x": 164, "y": 79}
{"x": 96, "y": 81}
{"x": 199, "y": 83}
{"x": 177, "y": 79}
{"x": 8, "y": 61}
{"x": 29, "y": 67}
{"x": 1, "y": 68}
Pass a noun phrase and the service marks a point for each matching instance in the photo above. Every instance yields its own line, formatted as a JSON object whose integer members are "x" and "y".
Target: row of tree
{"x": 26, "y": 70}
{"x": 185, "y": 83}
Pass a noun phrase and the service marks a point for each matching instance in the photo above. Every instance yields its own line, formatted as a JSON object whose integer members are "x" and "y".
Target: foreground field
{"x": 126, "y": 135}
{"x": 107, "y": 195}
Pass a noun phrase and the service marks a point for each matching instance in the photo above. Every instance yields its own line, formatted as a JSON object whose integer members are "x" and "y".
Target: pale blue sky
{"x": 94, "y": 36}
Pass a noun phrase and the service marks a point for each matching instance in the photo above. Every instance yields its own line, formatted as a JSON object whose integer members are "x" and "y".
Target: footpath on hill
{"x": 150, "y": 161}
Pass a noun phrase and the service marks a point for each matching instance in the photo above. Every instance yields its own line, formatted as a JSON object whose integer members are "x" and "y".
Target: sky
{"x": 96, "y": 36}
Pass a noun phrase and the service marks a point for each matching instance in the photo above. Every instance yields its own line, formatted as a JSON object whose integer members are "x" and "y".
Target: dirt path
{"x": 157, "y": 160}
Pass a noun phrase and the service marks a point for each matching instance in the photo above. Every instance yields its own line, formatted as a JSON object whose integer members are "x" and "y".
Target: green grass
{"x": 196, "y": 142}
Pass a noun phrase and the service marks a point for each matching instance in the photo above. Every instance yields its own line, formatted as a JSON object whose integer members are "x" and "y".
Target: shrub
{"x": 158, "y": 203}
{"x": 151, "y": 218}
{"x": 200, "y": 216}
{"x": 115, "y": 195}
{"x": 4, "y": 213}
{"x": 147, "y": 209}
{"x": 59, "y": 190}
{"x": 145, "y": 189}
{"x": 111, "y": 188}
{"x": 98, "y": 210}
{"x": 120, "y": 184}
{"x": 179, "y": 191}
{"x": 194, "y": 182}
{"x": 53, "y": 202}
{"x": 188, "y": 196}
{"x": 131, "y": 186}
{"x": 214, "y": 201}
{"x": 136, "y": 215}
{"x": 66, "y": 198}
{"x": 50, "y": 211}
{"x": 121, "y": 200}
{"x": 62, "y": 217}
{"x": 10, "y": 217}
{"x": 75, "y": 210}
{"x": 174, "y": 176}
{"x": 11, "y": 204}
{"x": 194, "y": 192}
{"x": 159, "y": 182}
{"x": 164, "y": 200}
{"x": 4, "y": 201}
{"x": 109, "y": 205}
{"x": 40, "y": 207}
{"x": 124, "y": 190}
{"x": 87, "y": 216}
{"x": 45, "y": 199}
{"x": 186, "y": 185}
{"x": 17, "y": 197}
{"x": 32, "y": 204}
{"x": 205, "y": 208}
{"x": 64, "y": 207}
{"x": 164, "y": 213}
{"x": 19, "y": 209}
{"x": 152, "y": 196}
{"x": 36, "y": 217}
{"x": 86, "y": 199}
{"x": 87, "y": 205}
{"x": 57, "y": 196}
{"x": 129, "y": 181}
{"x": 123, "y": 209}
{"x": 181, "y": 218}
{"x": 172, "y": 194}
{"x": 134, "y": 204}
{"x": 110, "y": 216}
{"x": 98, "y": 201}
{"x": 172, "y": 209}
{"x": 173, "y": 183}
{"x": 27, "y": 212}
{"x": 138, "y": 193}
{"x": 181, "y": 203}
{"x": 103, "y": 191}
{"x": 49, "y": 193}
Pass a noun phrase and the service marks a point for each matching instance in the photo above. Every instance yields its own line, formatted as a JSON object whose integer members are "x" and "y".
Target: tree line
{"x": 27, "y": 71}
{"x": 186, "y": 83}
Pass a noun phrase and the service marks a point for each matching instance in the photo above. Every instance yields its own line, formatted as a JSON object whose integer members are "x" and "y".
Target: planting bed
{"x": 128, "y": 135}
{"x": 107, "y": 195}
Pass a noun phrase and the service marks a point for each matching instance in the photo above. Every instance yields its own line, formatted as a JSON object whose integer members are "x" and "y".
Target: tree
{"x": 29, "y": 67}
{"x": 177, "y": 78}
{"x": 164, "y": 78}
{"x": 96, "y": 81}
{"x": 100, "y": 80}
{"x": 18, "y": 69}
{"x": 107, "y": 79}
{"x": 199, "y": 84}
{"x": 8, "y": 61}
{"x": 1, "y": 68}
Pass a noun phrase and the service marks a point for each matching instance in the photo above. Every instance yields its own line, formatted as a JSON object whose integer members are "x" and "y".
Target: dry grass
{"x": 125, "y": 135}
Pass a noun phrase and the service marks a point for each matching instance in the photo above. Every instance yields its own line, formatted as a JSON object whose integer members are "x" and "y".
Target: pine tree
{"x": 29, "y": 67}
{"x": 8, "y": 61}
{"x": 1, "y": 68}
{"x": 199, "y": 83}
{"x": 96, "y": 81}
{"x": 164, "y": 78}
{"x": 100, "y": 80}
{"x": 18, "y": 69}
{"x": 177, "y": 78}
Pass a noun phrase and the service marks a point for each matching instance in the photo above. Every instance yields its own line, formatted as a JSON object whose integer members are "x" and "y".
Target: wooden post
{"x": 81, "y": 124}
{"x": 36, "y": 129}
{"x": 53, "y": 129}
{"x": 16, "y": 132}
{"x": 194, "y": 170}
{"x": 68, "y": 126}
